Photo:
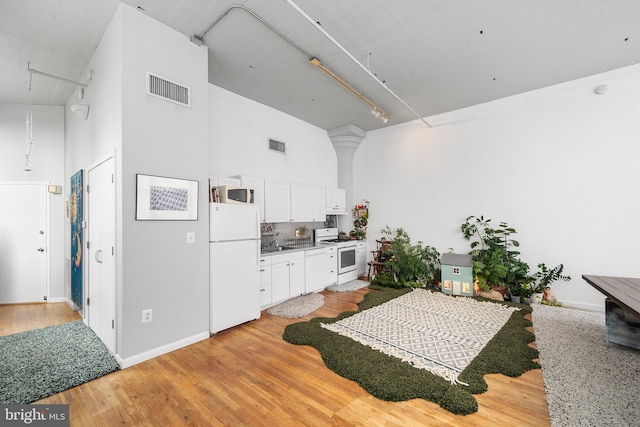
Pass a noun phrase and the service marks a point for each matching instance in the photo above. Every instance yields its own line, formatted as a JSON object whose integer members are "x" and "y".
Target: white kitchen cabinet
{"x": 335, "y": 201}
{"x": 301, "y": 202}
{"x": 296, "y": 275}
{"x": 279, "y": 282}
{"x": 331, "y": 271}
{"x": 287, "y": 276}
{"x": 277, "y": 198}
{"x": 361, "y": 257}
{"x": 318, "y": 209}
{"x": 257, "y": 185}
{"x": 266, "y": 294}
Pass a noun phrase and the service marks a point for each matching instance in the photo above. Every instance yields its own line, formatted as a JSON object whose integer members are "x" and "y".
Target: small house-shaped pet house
{"x": 457, "y": 274}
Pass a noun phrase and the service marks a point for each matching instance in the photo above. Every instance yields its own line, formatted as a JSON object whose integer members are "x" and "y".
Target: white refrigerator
{"x": 234, "y": 254}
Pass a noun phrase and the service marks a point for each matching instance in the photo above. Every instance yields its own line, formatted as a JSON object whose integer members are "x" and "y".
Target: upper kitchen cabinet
{"x": 318, "y": 209}
{"x": 335, "y": 201}
{"x": 277, "y": 201}
{"x": 301, "y": 202}
{"x": 257, "y": 185}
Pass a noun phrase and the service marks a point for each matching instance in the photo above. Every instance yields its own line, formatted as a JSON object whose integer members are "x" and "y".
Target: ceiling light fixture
{"x": 199, "y": 40}
{"x": 339, "y": 46}
{"x": 80, "y": 110}
{"x": 376, "y": 111}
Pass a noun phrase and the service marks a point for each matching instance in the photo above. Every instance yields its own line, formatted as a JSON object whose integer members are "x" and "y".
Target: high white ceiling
{"x": 436, "y": 55}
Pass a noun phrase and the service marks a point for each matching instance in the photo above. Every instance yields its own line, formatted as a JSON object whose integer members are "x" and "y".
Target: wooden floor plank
{"x": 249, "y": 376}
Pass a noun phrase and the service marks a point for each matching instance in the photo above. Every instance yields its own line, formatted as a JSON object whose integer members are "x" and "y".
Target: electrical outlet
{"x": 147, "y": 315}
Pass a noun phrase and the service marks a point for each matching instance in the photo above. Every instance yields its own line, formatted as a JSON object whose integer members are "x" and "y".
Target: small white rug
{"x": 349, "y": 286}
{"x": 430, "y": 330}
{"x": 298, "y": 306}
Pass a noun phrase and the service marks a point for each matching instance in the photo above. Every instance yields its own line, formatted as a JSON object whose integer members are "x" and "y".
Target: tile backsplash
{"x": 293, "y": 233}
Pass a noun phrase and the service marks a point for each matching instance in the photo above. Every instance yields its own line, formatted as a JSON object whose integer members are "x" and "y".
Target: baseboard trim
{"x": 582, "y": 306}
{"x": 57, "y": 299}
{"x": 158, "y": 351}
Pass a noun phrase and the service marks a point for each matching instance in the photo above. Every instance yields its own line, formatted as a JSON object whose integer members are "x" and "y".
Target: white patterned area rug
{"x": 430, "y": 330}
{"x": 348, "y": 286}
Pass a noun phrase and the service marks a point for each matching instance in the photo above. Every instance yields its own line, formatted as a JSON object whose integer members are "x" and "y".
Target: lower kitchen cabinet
{"x": 331, "y": 266}
{"x": 287, "y": 276}
{"x": 266, "y": 294}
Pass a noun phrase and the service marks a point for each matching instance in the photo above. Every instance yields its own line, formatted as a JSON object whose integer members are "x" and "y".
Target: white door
{"x": 23, "y": 242}
{"x": 101, "y": 232}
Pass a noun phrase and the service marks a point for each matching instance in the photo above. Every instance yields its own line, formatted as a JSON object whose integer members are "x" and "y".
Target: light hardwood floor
{"x": 249, "y": 376}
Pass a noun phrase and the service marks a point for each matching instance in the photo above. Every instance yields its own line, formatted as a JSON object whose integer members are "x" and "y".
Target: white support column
{"x": 346, "y": 140}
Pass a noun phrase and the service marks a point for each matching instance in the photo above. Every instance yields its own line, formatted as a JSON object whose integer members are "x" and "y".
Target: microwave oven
{"x": 232, "y": 194}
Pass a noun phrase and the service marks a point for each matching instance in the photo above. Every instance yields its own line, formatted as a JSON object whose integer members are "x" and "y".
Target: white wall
{"x": 161, "y": 271}
{"x": 239, "y": 129}
{"x": 559, "y": 165}
{"x": 48, "y": 166}
{"x": 156, "y": 269}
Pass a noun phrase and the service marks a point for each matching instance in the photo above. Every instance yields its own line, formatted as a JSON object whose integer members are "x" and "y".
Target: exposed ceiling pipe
{"x": 339, "y": 46}
{"x": 33, "y": 71}
{"x": 199, "y": 40}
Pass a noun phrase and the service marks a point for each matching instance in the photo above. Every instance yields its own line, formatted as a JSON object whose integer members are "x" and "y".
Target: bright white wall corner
{"x": 558, "y": 164}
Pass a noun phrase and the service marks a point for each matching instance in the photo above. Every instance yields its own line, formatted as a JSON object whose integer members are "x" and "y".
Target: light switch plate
{"x": 191, "y": 238}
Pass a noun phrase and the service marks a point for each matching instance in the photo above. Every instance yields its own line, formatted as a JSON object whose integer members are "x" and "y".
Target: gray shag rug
{"x": 587, "y": 384}
{"x": 349, "y": 286}
{"x": 298, "y": 306}
{"x": 36, "y": 364}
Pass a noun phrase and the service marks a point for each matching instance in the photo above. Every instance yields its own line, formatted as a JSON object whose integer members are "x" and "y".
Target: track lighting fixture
{"x": 317, "y": 26}
{"x": 376, "y": 111}
{"x": 380, "y": 115}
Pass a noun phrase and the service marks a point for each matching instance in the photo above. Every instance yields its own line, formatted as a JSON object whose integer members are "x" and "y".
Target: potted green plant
{"x": 543, "y": 279}
{"x": 519, "y": 291}
{"x": 360, "y": 220}
{"x": 495, "y": 261}
{"x": 407, "y": 264}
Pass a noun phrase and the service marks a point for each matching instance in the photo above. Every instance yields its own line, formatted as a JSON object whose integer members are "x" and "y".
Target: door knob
{"x": 40, "y": 249}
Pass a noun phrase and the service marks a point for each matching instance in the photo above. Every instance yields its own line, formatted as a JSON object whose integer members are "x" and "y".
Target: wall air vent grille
{"x": 168, "y": 90}
{"x": 277, "y": 146}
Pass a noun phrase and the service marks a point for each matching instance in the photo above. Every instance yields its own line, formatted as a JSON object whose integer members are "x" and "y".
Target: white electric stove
{"x": 347, "y": 269}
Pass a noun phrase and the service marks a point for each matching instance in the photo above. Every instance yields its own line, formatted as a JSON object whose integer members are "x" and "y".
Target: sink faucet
{"x": 275, "y": 241}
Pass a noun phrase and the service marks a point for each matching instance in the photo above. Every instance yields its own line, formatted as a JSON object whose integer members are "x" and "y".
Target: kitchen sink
{"x": 275, "y": 249}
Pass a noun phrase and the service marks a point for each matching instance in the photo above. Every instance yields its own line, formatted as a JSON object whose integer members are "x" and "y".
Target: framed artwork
{"x": 76, "y": 209}
{"x": 162, "y": 198}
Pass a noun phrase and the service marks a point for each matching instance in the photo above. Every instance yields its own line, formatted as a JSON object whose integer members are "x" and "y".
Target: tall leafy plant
{"x": 545, "y": 276}
{"x": 495, "y": 259}
{"x": 406, "y": 263}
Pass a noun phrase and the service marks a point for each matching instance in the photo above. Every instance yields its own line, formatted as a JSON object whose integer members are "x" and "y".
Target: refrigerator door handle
{"x": 258, "y": 255}
{"x": 259, "y": 240}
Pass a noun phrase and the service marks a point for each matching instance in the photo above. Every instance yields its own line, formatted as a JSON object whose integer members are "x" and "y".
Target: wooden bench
{"x": 622, "y": 308}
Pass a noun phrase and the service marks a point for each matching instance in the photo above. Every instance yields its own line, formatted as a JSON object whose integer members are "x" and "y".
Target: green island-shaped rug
{"x": 388, "y": 378}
